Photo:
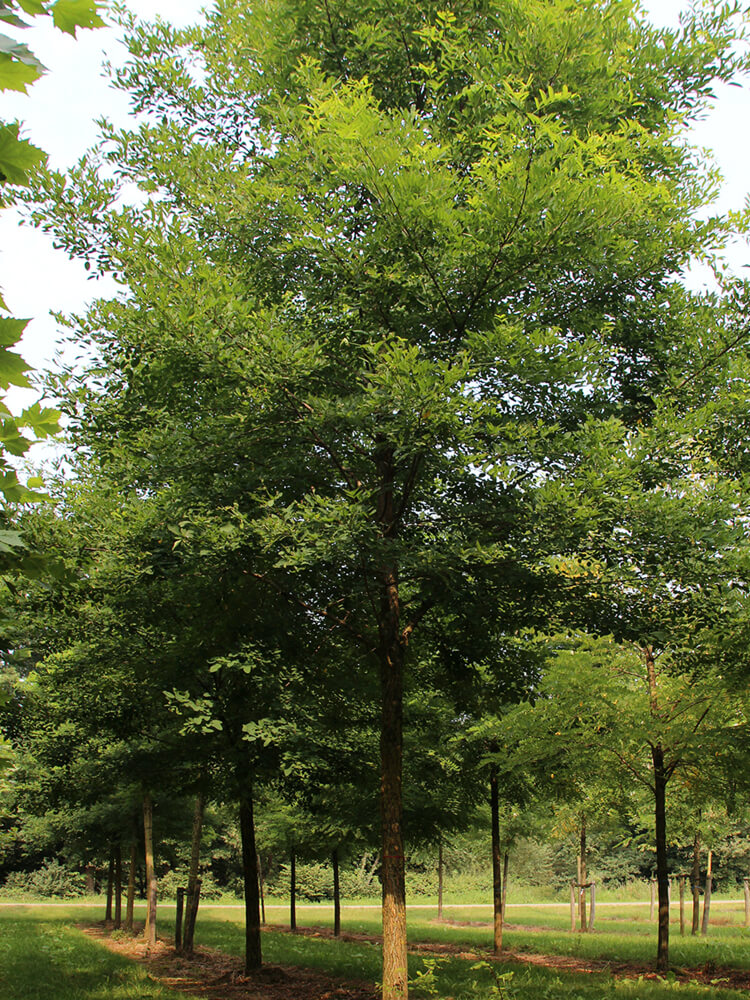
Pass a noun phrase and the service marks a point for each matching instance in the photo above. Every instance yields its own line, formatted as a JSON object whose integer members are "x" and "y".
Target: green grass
{"x": 42, "y": 955}
{"x": 455, "y": 978}
{"x": 623, "y": 933}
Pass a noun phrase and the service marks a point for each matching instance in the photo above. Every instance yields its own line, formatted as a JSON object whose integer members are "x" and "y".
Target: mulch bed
{"x": 216, "y": 976}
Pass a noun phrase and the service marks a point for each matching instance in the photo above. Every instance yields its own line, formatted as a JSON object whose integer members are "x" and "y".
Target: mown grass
{"x": 456, "y": 978}
{"x": 42, "y": 955}
{"x": 623, "y": 933}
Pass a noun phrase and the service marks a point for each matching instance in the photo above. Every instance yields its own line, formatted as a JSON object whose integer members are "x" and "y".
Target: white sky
{"x": 59, "y": 116}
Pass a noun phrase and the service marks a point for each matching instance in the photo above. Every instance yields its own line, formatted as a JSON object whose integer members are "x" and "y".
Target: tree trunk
{"x": 253, "y": 953}
{"x": 148, "y": 837}
{"x": 90, "y": 880}
{"x": 440, "y": 879}
{"x": 497, "y": 872}
{"x": 193, "y": 886}
{"x": 660, "y": 819}
{"x": 582, "y": 876}
{"x": 118, "y": 886}
{"x": 662, "y": 876}
{"x": 110, "y": 885}
{"x": 707, "y": 895}
{"x": 336, "y": 893}
{"x": 392, "y": 641}
{"x": 395, "y": 969}
{"x": 131, "y": 887}
{"x": 696, "y": 882}
{"x": 292, "y": 888}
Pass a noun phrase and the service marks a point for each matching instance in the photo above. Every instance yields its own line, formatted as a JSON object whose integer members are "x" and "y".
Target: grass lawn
{"x": 623, "y": 933}
{"x": 42, "y": 955}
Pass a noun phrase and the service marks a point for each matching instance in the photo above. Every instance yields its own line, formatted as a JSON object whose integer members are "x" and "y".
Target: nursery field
{"x": 57, "y": 952}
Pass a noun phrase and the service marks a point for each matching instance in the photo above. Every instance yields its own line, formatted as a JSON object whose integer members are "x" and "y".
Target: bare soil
{"x": 216, "y": 976}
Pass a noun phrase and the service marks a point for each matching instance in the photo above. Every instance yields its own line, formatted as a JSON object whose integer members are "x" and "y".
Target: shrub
{"x": 173, "y": 880}
{"x": 314, "y": 881}
{"x": 52, "y": 879}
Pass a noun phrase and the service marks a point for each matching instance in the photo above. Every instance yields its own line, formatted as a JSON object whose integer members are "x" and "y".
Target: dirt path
{"x": 216, "y": 976}
{"x": 213, "y": 975}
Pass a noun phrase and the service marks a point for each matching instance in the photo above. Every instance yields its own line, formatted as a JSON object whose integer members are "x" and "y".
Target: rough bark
{"x": 395, "y": 972}
{"x": 696, "y": 882}
{"x": 253, "y": 952}
{"x": 391, "y": 647}
{"x": 118, "y": 886}
{"x": 292, "y": 888}
{"x": 194, "y": 882}
{"x": 148, "y": 837}
{"x": 497, "y": 871}
{"x": 336, "y": 893}
{"x": 131, "y": 887}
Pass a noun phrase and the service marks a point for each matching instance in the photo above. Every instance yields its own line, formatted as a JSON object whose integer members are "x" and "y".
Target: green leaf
{"x": 44, "y": 421}
{"x": 17, "y": 156}
{"x": 8, "y": 17}
{"x": 11, "y": 330}
{"x": 12, "y": 439}
{"x": 21, "y": 52}
{"x": 16, "y": 75}
{"x": 13, "y": 369}
{"x": 32, "y": 6}
{"x": 11, "y": 540}
{"x": 71, "y": 14}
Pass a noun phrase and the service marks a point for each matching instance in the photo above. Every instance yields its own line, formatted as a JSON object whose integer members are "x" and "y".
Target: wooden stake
{"x": 440, "y": 878}
{"x": 746, "y": 884}
{"x": 261, "y": 890}
{"x": 681, "y": 880}
{"x": 178, "y": 920}
{"x": 118, "y": 886}
{"x": 592, "y": 915}
{"x": 573, "y": 906}
{"x": 707, "y": 896}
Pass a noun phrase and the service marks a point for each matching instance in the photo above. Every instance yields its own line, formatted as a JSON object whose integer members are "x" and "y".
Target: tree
{"x": 388, "y": 262}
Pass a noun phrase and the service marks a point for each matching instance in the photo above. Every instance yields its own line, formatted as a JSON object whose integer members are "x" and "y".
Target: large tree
{"x": 386, "y": 261}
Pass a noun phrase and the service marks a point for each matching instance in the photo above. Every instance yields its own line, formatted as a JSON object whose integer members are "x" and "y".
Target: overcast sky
{"x": 59, "y": 116}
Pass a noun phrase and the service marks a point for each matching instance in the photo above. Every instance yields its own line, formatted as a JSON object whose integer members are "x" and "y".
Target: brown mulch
{"x": 216, "y": 976}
